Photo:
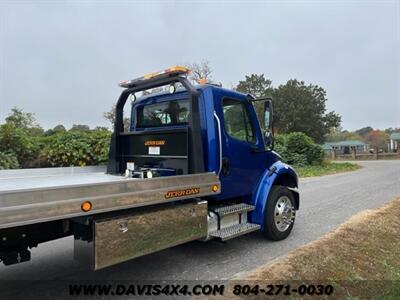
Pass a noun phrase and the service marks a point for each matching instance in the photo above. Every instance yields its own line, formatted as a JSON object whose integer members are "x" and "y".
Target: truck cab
{"x": 190, "y": 129}
{"x": 231, "y": 137}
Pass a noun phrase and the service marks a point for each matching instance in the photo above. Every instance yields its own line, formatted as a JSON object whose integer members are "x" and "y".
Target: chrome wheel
{"x": 284, "y": 213}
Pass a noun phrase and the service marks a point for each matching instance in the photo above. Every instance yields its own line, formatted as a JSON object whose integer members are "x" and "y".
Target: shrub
{"x": 100, "y": 144}
{"x": 8, "y": 160}
{"x": 298, "y": 149}
{"x": 19, "y": 142}
{"x": 77, "y": 148}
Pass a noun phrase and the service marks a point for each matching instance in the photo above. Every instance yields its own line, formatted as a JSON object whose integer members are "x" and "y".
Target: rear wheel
{"x": 280, "y": 213}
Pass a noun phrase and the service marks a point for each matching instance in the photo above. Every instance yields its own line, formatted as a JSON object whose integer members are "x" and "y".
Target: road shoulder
{"x": 362, "y": 252}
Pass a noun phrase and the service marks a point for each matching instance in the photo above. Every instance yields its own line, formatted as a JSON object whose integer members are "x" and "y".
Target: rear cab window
{"x": 168, "y": 113}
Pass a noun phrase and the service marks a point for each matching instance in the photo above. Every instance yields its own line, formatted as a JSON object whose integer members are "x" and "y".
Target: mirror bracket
{"x": 270, "y": 126}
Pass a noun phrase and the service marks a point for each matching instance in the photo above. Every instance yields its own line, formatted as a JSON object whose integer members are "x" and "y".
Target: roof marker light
{"x": 202, "y": 81}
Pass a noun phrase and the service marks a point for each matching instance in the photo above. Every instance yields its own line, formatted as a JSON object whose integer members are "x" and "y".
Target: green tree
{"x": 8, "y": 160}
{"x": 302, "y": 108}
{"x": 26, "y": 121}
{"x": 20, "y": 119}
{"x": 100, "y": 128}
{"x": 337, "y": 135}
{"x": 99, "y": 145}
{"x": 19, "y": 142}
{"x": 298, "y": 149}
{"x": 57, "y": 129}
{"x": 364, "y": 131}
{"x": 391, "y": 130}
{"x": 80, "y": 127}
{"x": 110, "y": 117}
{"x": 377, "y": 139}
{"x": 255, "y": 85}
{"x": 77, "y": 148}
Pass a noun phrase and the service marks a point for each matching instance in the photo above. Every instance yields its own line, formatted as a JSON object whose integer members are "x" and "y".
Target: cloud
{"x": 63, "y": 60}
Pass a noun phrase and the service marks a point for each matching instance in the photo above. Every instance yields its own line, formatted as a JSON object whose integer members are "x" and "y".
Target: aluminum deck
{"x": 30, "y": 196}
{"x": 26, "y": 179}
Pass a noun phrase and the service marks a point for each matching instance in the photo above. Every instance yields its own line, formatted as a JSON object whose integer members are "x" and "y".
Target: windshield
{"x": 163, "y": 114}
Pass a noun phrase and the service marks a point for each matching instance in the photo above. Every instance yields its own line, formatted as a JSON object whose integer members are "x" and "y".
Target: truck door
{"x": 243, "y": 155}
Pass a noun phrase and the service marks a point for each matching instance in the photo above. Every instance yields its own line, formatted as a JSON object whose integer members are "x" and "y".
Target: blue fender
{"x": 260, "y": 196}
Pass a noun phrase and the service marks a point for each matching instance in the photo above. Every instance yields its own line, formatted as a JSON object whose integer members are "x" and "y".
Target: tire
{"x": 280, "y": 213}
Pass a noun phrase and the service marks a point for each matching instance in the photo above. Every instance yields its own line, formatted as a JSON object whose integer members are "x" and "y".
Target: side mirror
{"x": 265, "y": 117}
{"x": 268, "y": 124}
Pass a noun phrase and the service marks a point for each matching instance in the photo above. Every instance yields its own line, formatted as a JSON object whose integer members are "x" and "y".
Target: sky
{"x": 62, "y": 60}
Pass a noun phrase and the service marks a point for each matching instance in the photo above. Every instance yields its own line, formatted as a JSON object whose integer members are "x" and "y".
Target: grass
{"x": 360, "y": 258}
{"x": 326, "y": 168}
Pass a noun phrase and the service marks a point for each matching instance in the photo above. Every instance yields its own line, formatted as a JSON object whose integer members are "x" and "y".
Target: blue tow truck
{"x": 195, "y": 164}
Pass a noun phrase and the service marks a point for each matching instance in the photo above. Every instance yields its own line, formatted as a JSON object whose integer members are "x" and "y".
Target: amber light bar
{"x": 176, "y": 70}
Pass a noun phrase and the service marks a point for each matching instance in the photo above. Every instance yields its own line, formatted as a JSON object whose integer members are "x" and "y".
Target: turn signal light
{"x": 86, "y": 206}
{"x": 215, "y": 188}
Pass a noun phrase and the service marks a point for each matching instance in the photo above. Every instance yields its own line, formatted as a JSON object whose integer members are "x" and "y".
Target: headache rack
{"x": 120, "y": 140}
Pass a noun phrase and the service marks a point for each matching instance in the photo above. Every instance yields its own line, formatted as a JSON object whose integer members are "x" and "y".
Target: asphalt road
{"x": 326, "y": 202}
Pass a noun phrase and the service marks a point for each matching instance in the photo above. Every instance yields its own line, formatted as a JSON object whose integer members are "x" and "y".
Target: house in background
{"x": 346, "y": 147}
{"x": 394, "y": 142}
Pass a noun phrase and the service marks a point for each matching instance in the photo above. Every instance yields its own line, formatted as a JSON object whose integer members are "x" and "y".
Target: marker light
{"x": 149, "y": 174}
{"x": 172, "y": 88}
{"x": 215, "y": 188}
{"x": 202, "y": 81}
{"x": 86, "y": 206}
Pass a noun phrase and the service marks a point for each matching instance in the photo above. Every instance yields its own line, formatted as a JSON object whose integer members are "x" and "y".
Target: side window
{"x": 237, "y": 121}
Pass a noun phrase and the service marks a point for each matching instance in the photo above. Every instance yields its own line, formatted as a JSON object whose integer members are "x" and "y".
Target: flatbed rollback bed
{"x": 50, "y": 201}
{"x": 163, "y": 186}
